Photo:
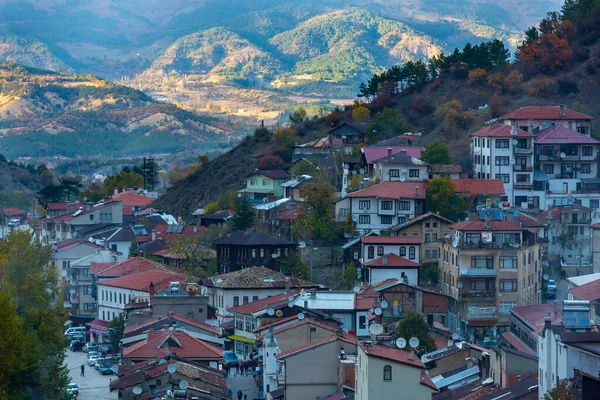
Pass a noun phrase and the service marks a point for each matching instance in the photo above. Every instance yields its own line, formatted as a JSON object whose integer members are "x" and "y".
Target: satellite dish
{"x": 355, "y": 218}
{"x": 459, "y": 285}
{"x": 455, "y": 336}
{"x": 353, "y": 172}
{"x": 302, "y": 245}
{"x": 346, "y": 166}
{"x": 384, "y": 304}
{"x": 378, "y": 311}
{"x": 546, "y": 277}
{"x": 413, "y": 342}
{"x": 162, "y": 361}
{"x": 137, "y": 390}
{"x": 183, "y": 384}
{"x": 291, "y": 305}
{"x": 67, "y": 278}
{"x": 271, "y": 312}
{"x": 72, "y": 291}
{"x": 376, "y": 329}
{"x": 274, "y": 255}
{"x": 291, "y": 298}
{"x": 515, "y": 142}
{"x": 172, "y": 368}
{"x": 400, "y": 343}
{"x": 404, "y": 170}
{"x": 64, "y": 273}
{"x": 463, "y": 271}
{"x": 512, "y": 161}
{"x": 402, "y": 179}
{"x": 279, "y": 313}
{"x": 361, "y": 171}
{"x": 344, "y": 137}
{"x": 301, "y": 316}
{"x": 562, "y": 155}
{"x": 356, "y": 289}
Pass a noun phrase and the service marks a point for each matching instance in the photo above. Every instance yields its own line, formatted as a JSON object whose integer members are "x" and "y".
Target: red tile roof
{"x": 141, "y": 280}
{"x": 391, "y": 260}
{"x": 478, "y": 187}
{"x": 160, "y": 231}
{"x": 426, "y": 380}
{"x": 98, "y": 323}
{"x": 317, "y": 343}
{"x": 176, "y": 317}
{"x": 534, "y": 315}
{"x": 480, "y": 225}
{"x": 529, "y": 221}
{"x": 516, "y": 343}
{"x": 275, "y": 323}
{"x": 162, "y": 343}
{"x": 11, "y": 212}
{"x": 389, "y": 353}
{"x": 96, "y": 267}
{"x": 391, "y": 240}
{"x": 500, "y": 130}
{"x": 372, "y": 289}
{"x": 132, "y": 199}
{"x": 364, "y": 302}
{"x": 544, "y": 113}
{"x": 589, "y": 291}
{"x": 57, "y": 206}
{"x": 263, "y": 304}
{"x": 393, "y": 190}
{"x": 554, "y": 213}
{"x": 558, "y": 134}
{"x": 373, "y": 153}
{"x": 128, "y": 267}
{"x": 306, "y": 321}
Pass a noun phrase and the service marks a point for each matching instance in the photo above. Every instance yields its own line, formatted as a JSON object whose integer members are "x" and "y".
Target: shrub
{"x": 334, "y": 118}
{"x": 478, "y": 77}
{"x": 544, "y": 87}
{"x": 497, "y": 106}
{"x": 361, "y": 113}
{"x": 270, "y": 162}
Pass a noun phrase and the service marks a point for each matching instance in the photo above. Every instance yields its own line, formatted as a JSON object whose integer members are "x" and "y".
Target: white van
{"x": 77, "y": 330}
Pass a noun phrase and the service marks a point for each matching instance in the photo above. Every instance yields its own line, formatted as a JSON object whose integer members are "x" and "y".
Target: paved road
{"x": 92, "y": 385}
{"x": 244, "y": 383}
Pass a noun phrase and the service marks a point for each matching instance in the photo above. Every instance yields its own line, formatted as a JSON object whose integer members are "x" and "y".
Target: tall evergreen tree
{"x": 244, "y": 214}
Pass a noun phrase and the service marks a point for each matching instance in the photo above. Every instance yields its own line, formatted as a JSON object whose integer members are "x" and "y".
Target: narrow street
{"x": 244, "y": 383}
{"x": 92, "y": 385}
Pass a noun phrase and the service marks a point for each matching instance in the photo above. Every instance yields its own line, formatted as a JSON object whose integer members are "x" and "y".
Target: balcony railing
{"x": 478, "y": 294}
{"x": 478, "y": 272}
{"x": 523, "y": 185}
{"x": 75, "y": 299}
{"x": 481, "y": 313}
{"x": 525, "y": 150}
{"x": 519, "y": 167}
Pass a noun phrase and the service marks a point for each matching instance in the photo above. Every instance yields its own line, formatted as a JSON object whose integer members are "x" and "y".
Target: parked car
{"x": 76, "y": 345}
{"x": 230, "y": 358}
{"x": 13, "y": 223}
{"x": 106, "y": 369}
{"x": 551, "y": 289}
{"x": 98, "y": 363}
{"x": 90, "y": 347}
{"x": 92, "y": 360}
{"x": 73, "y": 390}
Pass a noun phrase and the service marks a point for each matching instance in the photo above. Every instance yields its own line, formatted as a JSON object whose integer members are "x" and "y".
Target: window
{"x": 91, "y": 217}
{"x": 504, "y": 160}
{"x": 262, "y": 253}
{"x": 297, "y": 151}
{"x": 594, "y": 203}
{"x": 505, "y": 307}
{"x": 236, "y": 301}
{"x": 411, "y": 253}
{"x": 402, "y": 251}
{"x": 362, "y": 322}
{"x": 434, "y": 223}
{"x": 364, "y": 204}
{"x": 585, "y": 168}
{"x": 508, "y": 285}
{"x": 87, "y": 290}
{"x": 254, "y": 298}
{"x": 103, "y": 316}
{"x": 394, "y": 173}
{"x": 482, "y": 262}
{"x": 587, "y": 151}
{"x": 266, "y": 182}
{"x": 427, "y": 223}
{"x": 502, "y": 144}
{"x": 387, "y": 373}
{"x": 253, "y": 182}
{"x": 427, "y": 237}
{"x": 522, "y": 178}
{"x": 404, "y": 205}
{"x": 307, "y": 151}
{"x": 343, "y": 212}
{"x": 434, "y": 237}
{"x": 379, "y": 251}
{"x": 386, "y": 219}
{"x": 434, "y": 254}
{"x": 387, "y": 205}
{"x": 505, "y": 178}
{"x": 427, "y": 254}
{"x": 371, "y": 252}
{"x": 364, "y": 219}
{"x": 120, "y": 299}
{"x": 549, "y": 168}
{"x": 113, "y": 247}
{"x": 413, "y": 173}
{"x": 253, "y": 253}
{"x": 245, "y": 300}
{"x": 508, "y": 262}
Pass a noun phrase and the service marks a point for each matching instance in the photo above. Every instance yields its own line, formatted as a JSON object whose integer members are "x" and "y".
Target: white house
{"x": 533, "y": 119}
{"x": 400, "y": 167}
{"x": 377, "y": 246}
{"x": 391, "y": 266}
{"x": 383, "y": 205}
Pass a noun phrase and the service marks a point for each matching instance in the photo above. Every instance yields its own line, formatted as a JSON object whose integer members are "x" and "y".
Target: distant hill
{"x": 43, "y": 113}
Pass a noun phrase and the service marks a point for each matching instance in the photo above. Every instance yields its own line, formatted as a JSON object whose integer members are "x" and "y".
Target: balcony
{"x": 474, "y": 294}
{"x": 75, "y": 299}
{"x": 523, "y": 185}
{"x": 527, "y": 168}
{"x": 523, "y": 150}
{"x": 481, "y": 313}
{"x": 469, "y": 272}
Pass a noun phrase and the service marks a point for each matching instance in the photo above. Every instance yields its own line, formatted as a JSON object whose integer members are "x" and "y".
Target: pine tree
{"x": 244, "y": 214}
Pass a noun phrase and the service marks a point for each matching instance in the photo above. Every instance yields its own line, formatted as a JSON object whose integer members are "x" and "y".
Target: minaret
{"x": 270, "y": 352}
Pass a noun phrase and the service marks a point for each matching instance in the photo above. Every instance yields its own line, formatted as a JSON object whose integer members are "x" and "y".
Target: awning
{"x": 98, "y": 326}
{"x": 238, "y": 338}
{"x": 540, "y": 176}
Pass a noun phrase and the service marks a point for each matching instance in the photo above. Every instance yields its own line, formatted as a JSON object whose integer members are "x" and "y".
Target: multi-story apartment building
{"x": 536, "y": 118}
{"x": 568, "y": 162}
{"x": 383, "y": 205}
{"x": 489, "y": 266}
{"x": 505, "y": 152}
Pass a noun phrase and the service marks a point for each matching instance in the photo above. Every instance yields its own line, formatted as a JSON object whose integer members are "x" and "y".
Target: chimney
{"x": 151, "y": 290}
{"x": 89, "y": 206}
{"x": 518, "y": 378}
{"x": 469, "y": 362}
{"x": 116, "y": 192}
{"x": 402, "y": 151}
{"x": 389, "y": 149}
{"x": 530, "y": 126}
{"x": 153, "y": 235}
{"x": 513, "y": 127}
{"x": 411, "y": 355}
{"x": 547, "y": 323}
{"x": 562, "y": 110}
{"x": 385, "y": 260}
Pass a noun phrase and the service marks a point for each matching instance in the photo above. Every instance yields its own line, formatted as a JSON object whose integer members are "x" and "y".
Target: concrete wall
{"x": 300, "y": 336}
{"x": 193, "y": 307}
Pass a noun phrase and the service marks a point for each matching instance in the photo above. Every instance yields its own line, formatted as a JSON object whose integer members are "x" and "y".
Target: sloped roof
{"x": 172, "y": 317}
{"x": 534, "y": 315}
{"x": 142, "y": 280}
{"x": 259, "y": 305}
{"x": 316, "y": 144}
{"x": 393, "y": 190}
{"x": 355, "y": 129}
{"x": 57, "y": 206}
{"x": 589, "y": 291}
{"x": 500, "y": 130}
{"x": 529, "y": 221}
{"x": 558, "y": 134}
{"x": 478, "y": 187}
{"x": 132, "y": 199}
{"x": 554, "y": 213}
{"x": 271, "y": 173}
{"x": 392, "y": 354}
{"x": 545, "y": 113}
{"x": 419, "y": 218}
{"x": 162, "y": 343}
{"x": 400, "y": 159}
{"x": 445, "y": 168}
{"x": 391, "y": 260}
{"x": 251, "y": 238}
{"x": 315, "y": 344}
{"x": 168, "y": 232}
{"x": 298, "y": 323}
{"x": 480, "y": 225}
{"x": 373, "y": 153}
{"x": 130, "y": 266}
{"x": 391, "y": 240}
{"x": 96, "y": 267}
{"x": 255, "y": 278}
